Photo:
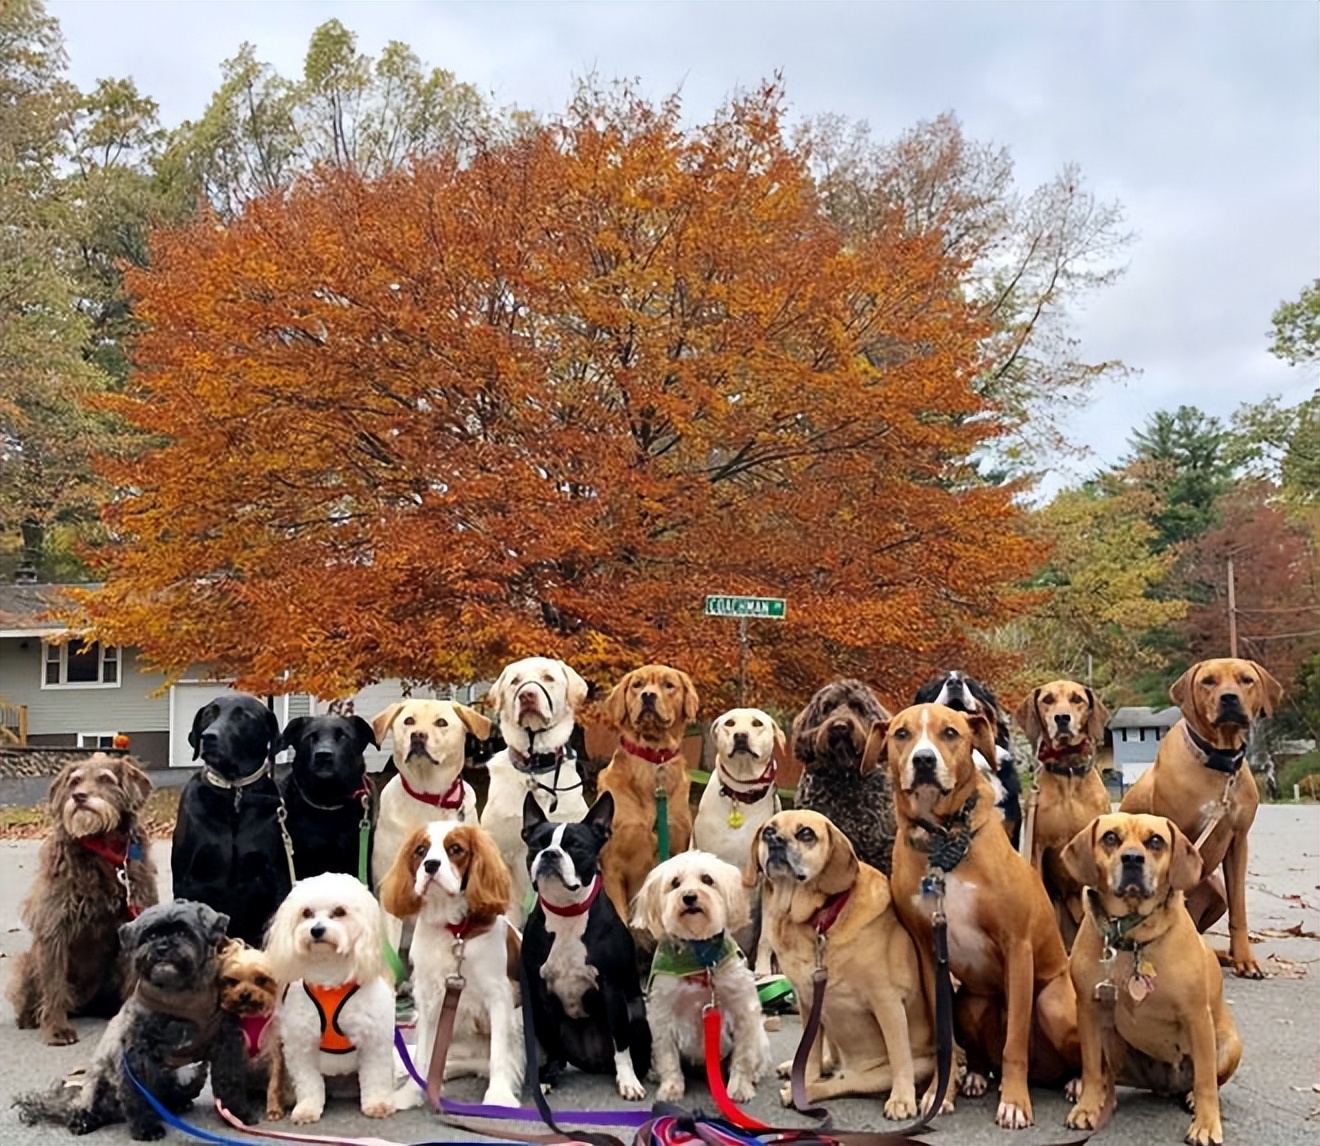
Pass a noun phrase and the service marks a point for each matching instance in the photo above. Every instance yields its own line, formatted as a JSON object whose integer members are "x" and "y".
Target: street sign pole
{"x": 742, "y": 661}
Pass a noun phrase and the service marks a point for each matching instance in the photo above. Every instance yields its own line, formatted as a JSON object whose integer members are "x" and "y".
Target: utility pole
{"x": 1232, "y": 612}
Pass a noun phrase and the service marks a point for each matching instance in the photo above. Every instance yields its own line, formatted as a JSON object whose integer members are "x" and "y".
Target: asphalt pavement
{"x": 1271, "y": 1101}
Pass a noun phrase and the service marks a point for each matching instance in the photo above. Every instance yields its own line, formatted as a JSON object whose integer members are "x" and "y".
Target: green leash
{"x": 662, "y": 823}
{"x": 397, "y": 969}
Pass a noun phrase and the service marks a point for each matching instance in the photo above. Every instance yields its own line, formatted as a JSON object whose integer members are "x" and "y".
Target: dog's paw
{"x": 973, "y": 1085}
{"x": 499, "y": 1096}
{"x": 149, "y": 1132}
{"x": 1014, "y": 1114}
{"x": 1189, "y": 1102}
{"x": 629, "y": 1087}
{"x": 82, "y": 1122}
{"x": 1073, "y": 1091}
{"x": 928, "y": 1100}
{"x": 306, "y": 1111}
{"x": 274, "y": 1113}
{"x": 1084, "y": 1116}
{"x": 408, "y": 1096}
{"x": 60, "y": 1036}
{"x": 671, "y": 1090}
{"x": 786, "y": 1095}
{"x": 379, "y": 1109}
{"x": 741, "y": 1088}
{"x": 1204, "y": 1132}
{"x": 901, "y": 1107}
{"x": 785, "y": 1068}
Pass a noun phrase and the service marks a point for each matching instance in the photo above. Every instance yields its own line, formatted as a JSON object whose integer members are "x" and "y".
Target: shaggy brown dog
{"x": 829, "y": 738}
{"x": 78, "y": 902}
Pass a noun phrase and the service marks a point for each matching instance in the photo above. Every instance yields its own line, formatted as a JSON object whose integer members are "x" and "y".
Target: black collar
{"x": 357, "y": 797}
{"x": 1223, "y": 760}
{"x": 948, "y": 843}
{"x": 536, "y": 764}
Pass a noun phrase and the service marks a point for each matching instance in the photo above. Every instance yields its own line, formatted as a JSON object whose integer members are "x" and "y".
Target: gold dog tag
{"x": 735, "y": 819}
{"x": 1142, "y": 982}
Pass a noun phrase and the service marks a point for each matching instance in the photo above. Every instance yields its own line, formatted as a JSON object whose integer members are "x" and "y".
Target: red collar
{"x": 766, "y": 779}
{"x": 1046, "y": 753}
{"x": 109, "y": 846}
{"x": 453, "y": 798}
{"x": 652, "y": 755}
{"x": 830, "y": 911}
{"x": 577, "y": 908}
{"x": 469, "y": 926}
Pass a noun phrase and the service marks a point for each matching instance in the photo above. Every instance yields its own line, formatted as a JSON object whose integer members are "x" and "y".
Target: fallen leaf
{"x": 1287, "y": 967}
{"x": 1296, "y": 931}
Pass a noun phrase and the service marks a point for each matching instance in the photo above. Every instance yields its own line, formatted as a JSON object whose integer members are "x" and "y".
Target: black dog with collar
{"x": 325, "y": 792}
{"x": 228, "y": 850}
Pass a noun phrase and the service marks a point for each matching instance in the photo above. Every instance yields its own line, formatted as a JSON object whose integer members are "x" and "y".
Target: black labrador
{"x": 228, "y": 851}
{"x": 325, "y": 792}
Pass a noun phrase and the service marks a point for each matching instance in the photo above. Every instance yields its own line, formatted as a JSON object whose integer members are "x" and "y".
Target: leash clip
{"x": 821, "y": 943}
{"x": 932, "y": 884}
{"x": 455, "y": 982}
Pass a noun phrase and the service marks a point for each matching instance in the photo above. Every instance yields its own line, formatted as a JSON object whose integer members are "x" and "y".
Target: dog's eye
{"x": 757, "y": 723}
{"x": 1246, "y": 680}
{"x": 516, "y": 681}
{"x": 227, "y": 983}
{"x": 421, "y": 849}
{"x": 307, "y": 913}
{"x": 547, "y": 678}
{"x": 806, "y": 835}
{"x": 409, "y": 720}
{"x": 900, "y": 734}
{"x": 264, "y": 983}
{"x": 669, "y": 685}
{"x": 1048, "y": 698}
{"x": 1155, "y": 844}
{"x": 441, "y": 722}
{"x": 338, "y": 913}
{"x": 636, "y": 685}
{"x": 1207, "y": 682}
{"x": 674, "y": 883}
{"x": 454, "y": 851}
{"x": 707, "y": 879}
{"x": 729, "y": 723}
{"x": 948, "y": 732}
{"x": 1110, "y": 839}
{"x": 1074, "y": 699}
{"x": 768, "y": 833}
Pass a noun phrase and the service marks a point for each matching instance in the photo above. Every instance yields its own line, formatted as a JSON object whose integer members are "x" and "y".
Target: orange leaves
{"x": 544, "y": 402}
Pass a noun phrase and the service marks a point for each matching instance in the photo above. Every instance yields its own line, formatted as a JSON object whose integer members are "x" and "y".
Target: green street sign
{"x": 765, "y": 608}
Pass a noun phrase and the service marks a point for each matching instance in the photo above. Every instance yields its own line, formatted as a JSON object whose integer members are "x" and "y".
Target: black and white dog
{"x": 228, "y": 851}
{"x": 580, "y": 959}
{"x": 963, "y": 693}
{"x": 326, "y": 792}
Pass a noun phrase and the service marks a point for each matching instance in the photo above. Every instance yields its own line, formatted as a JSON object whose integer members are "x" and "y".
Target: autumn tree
{"x": 544, "y": 400}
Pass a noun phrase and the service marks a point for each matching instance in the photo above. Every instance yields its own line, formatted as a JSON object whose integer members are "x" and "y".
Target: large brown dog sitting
{"x": 651, "y": 707}
{"x": 1064, "y": 722}
{"x": 1015, "y": 1010}
{"x": 1200, "y": 781}
{"x": 875, "y": 1014}
{"x": 94, "y": 874}
{"x": 1150, "y": 995}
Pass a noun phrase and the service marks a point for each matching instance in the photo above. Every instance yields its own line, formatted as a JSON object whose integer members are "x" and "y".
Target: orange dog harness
{"x": 329, "y": 1003}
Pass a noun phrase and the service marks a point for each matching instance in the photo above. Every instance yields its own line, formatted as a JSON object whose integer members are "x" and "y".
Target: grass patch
{"x": 157, "y": 818}
{"x": 1296, "y": 770}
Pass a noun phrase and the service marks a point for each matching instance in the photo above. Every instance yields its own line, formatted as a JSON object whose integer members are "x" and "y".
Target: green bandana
{"x": 683, "y": 957}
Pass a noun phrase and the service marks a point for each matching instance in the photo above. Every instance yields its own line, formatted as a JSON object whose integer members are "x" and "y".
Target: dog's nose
{"x": 648, "y": 699}
{"x": 431, "y": 867}
{"x": 317, "y": 931}
{"x": 210, "y": 737}
{"x": 1062, "y": 719}
{"x": 323, "y": 757}
{"x": 419, "y": 738}
{"x": 924, "y": 761}
{"x": 839, "y": 730}
{"x": 689, "y": 899}
{"x": 740, "y": 742}
{"x": 1230, "y": 700}
{"x": 1133, "y": 857}
{"x": 80, "y": 797}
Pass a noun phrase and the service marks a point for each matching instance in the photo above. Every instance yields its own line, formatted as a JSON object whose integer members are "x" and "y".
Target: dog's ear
{"x": 578, "y": 689}
{"x": 272, "y": 731}
{"x": 781, "y": 744}
{"x": 200, "y": 721}
{"x": 874, "y": 752}
{"x": 363, "y": 731}
{"x": 840, "y": 870}
{"x": 217, "y": 927}
{"x": 58, "y": 791}
{"x": 616, "y": 704}
{"x": 384, "y": 720}
{"x": 804, "y": 743}
{"x": 1271, "y": 691}
{"x": 983, "y": 736}
{"x": 691, "y": 701}
{"x": 486, "y": 883}
{"x": 1027, "y": 717}
{"x": 1185, "y": 866}
{"x": 1180, "y": 690}
{"x": 532, "y": 816}
{"x": 398, "y": 892}
{"x": 473, "y": 721}
{"x": 293, "y": 732}
{"x": 1097, "y": 719}
{"x": 728, "y": 879}
{"x": 1079, "y": 856}
{"x": 494, "y": 698}
{"x": 751, "y": 872}
{"x": 600, "y": 816}
{"x": 648, "y": 907}
{"x": 135, "y": 782}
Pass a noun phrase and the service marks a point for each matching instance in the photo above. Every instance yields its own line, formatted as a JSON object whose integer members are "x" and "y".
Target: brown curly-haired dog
{"x": 78, "y": 902}
{"x": 829, "y": 739}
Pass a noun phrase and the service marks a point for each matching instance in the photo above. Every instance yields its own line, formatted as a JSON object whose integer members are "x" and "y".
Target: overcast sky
{"x": 1203, "y": 119}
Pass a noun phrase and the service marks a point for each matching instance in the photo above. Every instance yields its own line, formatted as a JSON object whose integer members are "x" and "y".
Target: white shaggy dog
{"x": 692, "y": 904}
{"x": 336, "y": 1016}
{"x": 534, "y": 700}
{"x": 429, "y": 748}
{"x": 451, "y": 877}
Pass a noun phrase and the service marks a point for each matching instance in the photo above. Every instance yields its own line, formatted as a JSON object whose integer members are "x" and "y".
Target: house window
{"x": 79, "y": 664}
{"x": 96, "y": 740}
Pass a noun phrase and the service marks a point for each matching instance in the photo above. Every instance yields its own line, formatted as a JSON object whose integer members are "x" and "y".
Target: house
{"x": 1137, "y": 732}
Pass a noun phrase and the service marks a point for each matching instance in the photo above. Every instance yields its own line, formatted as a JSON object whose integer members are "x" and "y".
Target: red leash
{"x": 714, "y": 1029}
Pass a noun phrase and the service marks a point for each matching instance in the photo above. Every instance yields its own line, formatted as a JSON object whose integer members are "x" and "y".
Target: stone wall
{"x": 36, "y": 761}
